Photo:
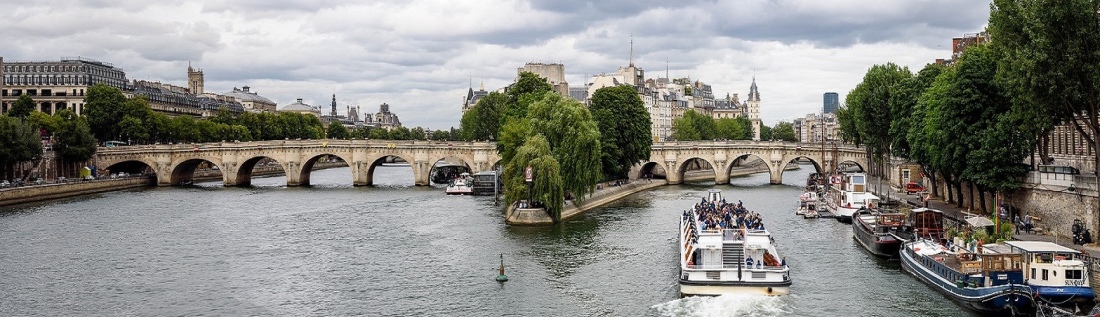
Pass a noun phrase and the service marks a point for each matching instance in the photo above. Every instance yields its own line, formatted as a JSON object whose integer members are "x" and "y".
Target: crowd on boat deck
{"x": 722, "y": 215}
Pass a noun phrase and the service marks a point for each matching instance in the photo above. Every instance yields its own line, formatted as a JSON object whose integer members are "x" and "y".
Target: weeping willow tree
{"x": 547, "y": 183}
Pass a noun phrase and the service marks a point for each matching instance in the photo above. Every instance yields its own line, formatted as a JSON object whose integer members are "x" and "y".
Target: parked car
{"x": 5, "y": 184}
{"x": 913, "y": 187}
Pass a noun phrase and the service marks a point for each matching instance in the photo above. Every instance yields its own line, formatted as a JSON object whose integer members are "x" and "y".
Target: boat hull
{"x": 1003, "y": 300}
{"x": 880, "y": 245}
{"x": 712, "y": 288}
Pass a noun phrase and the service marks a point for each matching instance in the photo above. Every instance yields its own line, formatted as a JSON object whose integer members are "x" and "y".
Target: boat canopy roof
{"x": 1040, "y": 246}
{"x": 922, "y": 209}
{"x": 979, "y": 221}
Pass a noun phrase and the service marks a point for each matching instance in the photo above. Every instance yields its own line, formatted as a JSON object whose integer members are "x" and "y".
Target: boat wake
{"x": 725, "y": 305}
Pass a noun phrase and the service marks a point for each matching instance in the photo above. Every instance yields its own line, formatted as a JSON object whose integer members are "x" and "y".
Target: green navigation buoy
{"x": 501, "y": 277}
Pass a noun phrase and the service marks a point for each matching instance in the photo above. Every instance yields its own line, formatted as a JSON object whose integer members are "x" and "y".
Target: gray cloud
{"x": 421, "y": 56}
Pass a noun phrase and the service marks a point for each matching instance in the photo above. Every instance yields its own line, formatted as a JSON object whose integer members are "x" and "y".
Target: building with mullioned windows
{"x": 56, "y": 85}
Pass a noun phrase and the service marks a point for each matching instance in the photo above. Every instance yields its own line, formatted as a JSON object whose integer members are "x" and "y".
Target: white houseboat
{"x": 848, "y": 194}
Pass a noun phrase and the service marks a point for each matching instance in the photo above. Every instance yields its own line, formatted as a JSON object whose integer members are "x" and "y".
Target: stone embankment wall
{"x": 607, "y": 194}
{"x": 1057, "y": 210}
{"x": 26, "y": 194}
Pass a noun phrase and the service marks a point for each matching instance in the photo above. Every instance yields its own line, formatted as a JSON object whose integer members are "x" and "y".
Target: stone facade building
{"x": 553, "y": 73}
{"x": 384, "y": 118}
{"x": 250, "y": 100}
{"x": 301, "y": 107}
{"x": 57, "y": 85}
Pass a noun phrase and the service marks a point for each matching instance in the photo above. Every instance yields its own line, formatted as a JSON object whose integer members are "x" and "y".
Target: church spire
{"x": 631, "y": 50}
{"x": 333, "y": 105}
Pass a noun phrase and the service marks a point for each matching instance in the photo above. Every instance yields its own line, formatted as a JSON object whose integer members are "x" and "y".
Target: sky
{"x": 421, "y": 57}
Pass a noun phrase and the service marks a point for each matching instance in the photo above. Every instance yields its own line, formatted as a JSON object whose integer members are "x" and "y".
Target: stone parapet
{"x": 27, "y": 194}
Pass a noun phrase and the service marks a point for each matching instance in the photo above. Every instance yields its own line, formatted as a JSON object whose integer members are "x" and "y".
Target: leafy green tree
{"x": 869, "y": 104}
{"x": 336, "y": 130}
{"x": 694, "y": 126}
{"x": 417, "y": 133}
{"x": 528, "y": 89}
{"x": 73, "y": 142}
{"x": 20, "y": 143}
{"x": 547, "y": 184}
{"x": 379, "y": 134}
{"x": 902, "y": 102}
{"x": 440, "y": 135}
{"x": 223, "y": 115}
{"x": 766, "y": 133}
{"x": 733, "y": 128}
{"x": 483, "y": 121}
{"x": 847, "y": 121}
{"x": 133, "y": 129}
{"x": 574, "y": 139}
{"x": 103, "y": 108}
{"x": 784, "y": 131}
{"x": 624, "y": 125}
{"x": 400, "y": 133}
{"x": 1050, "y": 62}
{"x": 22, "y": 107}
{"x": 41, "y": 120}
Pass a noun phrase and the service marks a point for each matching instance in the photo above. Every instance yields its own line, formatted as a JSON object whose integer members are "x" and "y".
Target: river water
{"x": 394, "y": 249}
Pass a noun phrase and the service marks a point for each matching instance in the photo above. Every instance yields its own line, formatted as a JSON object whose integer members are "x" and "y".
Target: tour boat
{"x": 875, "y": 231}
{"x": 987, "y": 281}
{"x": 737, "y": 258}
{"x": 1058, "y": 275}
{"x": 848, "y": 194}
{"x": 460, "y": 185}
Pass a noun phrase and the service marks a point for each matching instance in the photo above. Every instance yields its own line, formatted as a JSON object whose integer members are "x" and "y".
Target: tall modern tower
{"x": 832, "y": 102}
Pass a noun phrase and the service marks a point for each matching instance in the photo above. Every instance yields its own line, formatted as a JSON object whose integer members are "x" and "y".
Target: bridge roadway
{"x": 174, "y": 164}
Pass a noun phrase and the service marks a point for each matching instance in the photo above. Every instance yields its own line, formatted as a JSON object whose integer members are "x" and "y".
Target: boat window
{"x": 1043, "y": 258}
{"x": 1044, "y": 274}
{"x": 1073, "y": 274}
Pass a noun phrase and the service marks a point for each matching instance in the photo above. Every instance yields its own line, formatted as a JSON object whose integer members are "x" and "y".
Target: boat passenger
{"x": 748, "y": 261}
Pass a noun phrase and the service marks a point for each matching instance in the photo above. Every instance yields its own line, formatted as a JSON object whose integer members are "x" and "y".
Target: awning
{"x": 979, "y": 221}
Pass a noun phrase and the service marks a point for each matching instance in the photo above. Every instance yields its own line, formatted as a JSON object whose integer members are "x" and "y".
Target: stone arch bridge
{"x": 176, "y": 163}
{"x": 676, "y": 157}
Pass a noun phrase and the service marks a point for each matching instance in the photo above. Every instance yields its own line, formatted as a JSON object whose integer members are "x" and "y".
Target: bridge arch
{"x": 457, "y": 160}
{"x": 682, "y": 167}
{"x": 243, "y": 176}
{"x": 133, "y": 166}
{"x": 374, "y": 161}
{"x": 300, "y": 176}
{"x": 183, "y": 170}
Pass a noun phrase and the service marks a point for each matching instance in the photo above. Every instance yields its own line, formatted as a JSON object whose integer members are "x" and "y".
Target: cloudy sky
{"x": 421, "y": 56}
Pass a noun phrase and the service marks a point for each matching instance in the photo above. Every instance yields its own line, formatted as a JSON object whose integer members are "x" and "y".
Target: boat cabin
{"x": 926, "y": 223}
{"x": 1050, "y": 264}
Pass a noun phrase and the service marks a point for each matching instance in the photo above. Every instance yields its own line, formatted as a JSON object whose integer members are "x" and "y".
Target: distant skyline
{"x": 420, "y": 57}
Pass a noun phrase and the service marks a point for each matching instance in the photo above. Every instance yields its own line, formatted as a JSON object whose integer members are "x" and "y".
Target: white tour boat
{"x": 737, "y": 258}
{"x": 848, "y": 193}
{"x": 461, "y": 185}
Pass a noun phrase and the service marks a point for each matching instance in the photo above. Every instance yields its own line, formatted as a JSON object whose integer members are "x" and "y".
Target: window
{"x": 47, "y": 92}
{"x": 1073, "y": 274}
{"x": 1045, "y": 274}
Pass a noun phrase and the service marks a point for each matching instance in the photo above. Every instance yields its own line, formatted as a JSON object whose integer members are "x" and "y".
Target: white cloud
{"x": 421, "y": 56}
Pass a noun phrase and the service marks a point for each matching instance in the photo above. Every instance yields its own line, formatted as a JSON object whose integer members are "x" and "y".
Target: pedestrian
{"x": 1027, "y": 223}
{"x": 1016, "y": 222}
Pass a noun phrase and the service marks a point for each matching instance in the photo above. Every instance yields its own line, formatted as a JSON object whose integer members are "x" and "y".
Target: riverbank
{"x": 26, "y": 194}
{"x": 604, "y": 195}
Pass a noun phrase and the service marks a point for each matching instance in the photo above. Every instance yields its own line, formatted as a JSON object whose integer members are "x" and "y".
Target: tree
{"x": 624, "y": 125}
{"x": 417, "y": 133}
{"x": 528, "y": 89}
{"x": 73, "y": 142}
{"x": 22, "y": 107}
{"x": 869, "y": 104}
{"x": 336, "y": 130}
{"x": 1050, "y": 61}
{"x": 483, "y": 121}
{"x": 400, "y": 133}
{"x": 103, "y": 109}
{"x": 132, "y": 128}
{"x": 440, "y": 135}
{"x": 379, "y": 134}
{"x": 784, "y": 131}
{"x": 902, "y": 102}
{"x": 694, "y": 126}
{"x": 20, "y": 142}
{"x": 766, "y": 133}
{"x": 547, "y": 184}
{"x": 733, "y": 128}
